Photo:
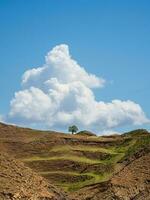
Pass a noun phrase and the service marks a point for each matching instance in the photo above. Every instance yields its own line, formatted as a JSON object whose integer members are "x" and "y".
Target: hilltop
{"x": 84, "y": 166}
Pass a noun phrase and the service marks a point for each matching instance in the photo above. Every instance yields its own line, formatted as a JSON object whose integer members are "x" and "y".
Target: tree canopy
{"x": 73, "y": 129}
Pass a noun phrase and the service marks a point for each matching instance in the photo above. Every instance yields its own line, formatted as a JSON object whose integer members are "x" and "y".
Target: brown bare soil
{"x": 67, "y": 178}
{"x": 19, "y": 182}
{"x": 67, "y": 165}
{"x": 83, "y": 167}
{"x": 134, "y": 180}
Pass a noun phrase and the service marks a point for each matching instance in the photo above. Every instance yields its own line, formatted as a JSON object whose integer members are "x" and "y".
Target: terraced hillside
{"x": 20, "y": 182}
{"x": 73, "y": 162}
{"x": 73, "y": 167}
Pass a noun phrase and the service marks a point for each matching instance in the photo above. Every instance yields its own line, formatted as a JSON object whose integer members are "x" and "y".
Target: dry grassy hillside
{"x": 85, "y": 167}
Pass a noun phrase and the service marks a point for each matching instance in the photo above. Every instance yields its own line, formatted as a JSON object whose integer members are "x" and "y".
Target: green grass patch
{"x": 67, "y": 148}
{"x": 60, "y": 172}
{"x": 78, "y": 185}
{"x": 139, "y": 143}
{"x": 81, "y": 159}
{"x": 114, "y": 159}
{"x": 68, "y": 153}
{"x": 65, "y": 157}
{"x": 96, "y": 178}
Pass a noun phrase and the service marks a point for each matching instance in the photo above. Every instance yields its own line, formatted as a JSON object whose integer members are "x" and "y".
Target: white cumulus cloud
{"x": 60, "y": 93}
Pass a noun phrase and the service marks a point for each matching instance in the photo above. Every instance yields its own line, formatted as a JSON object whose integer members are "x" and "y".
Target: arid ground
{"x": 47, "y": 165}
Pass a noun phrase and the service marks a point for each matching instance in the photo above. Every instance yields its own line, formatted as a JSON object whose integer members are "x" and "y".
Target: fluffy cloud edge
{"x": 60, "y": 93}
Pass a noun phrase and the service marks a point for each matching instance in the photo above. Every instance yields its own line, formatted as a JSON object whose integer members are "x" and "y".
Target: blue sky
{"x": 110, "y": 38}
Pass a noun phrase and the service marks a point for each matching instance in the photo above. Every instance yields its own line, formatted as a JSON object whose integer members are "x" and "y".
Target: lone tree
{"x": 73, "y": 129}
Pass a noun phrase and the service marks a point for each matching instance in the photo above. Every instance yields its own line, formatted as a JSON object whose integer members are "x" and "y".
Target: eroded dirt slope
{"x": 19, "y": 182}
{"x": 133, "y": 182}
